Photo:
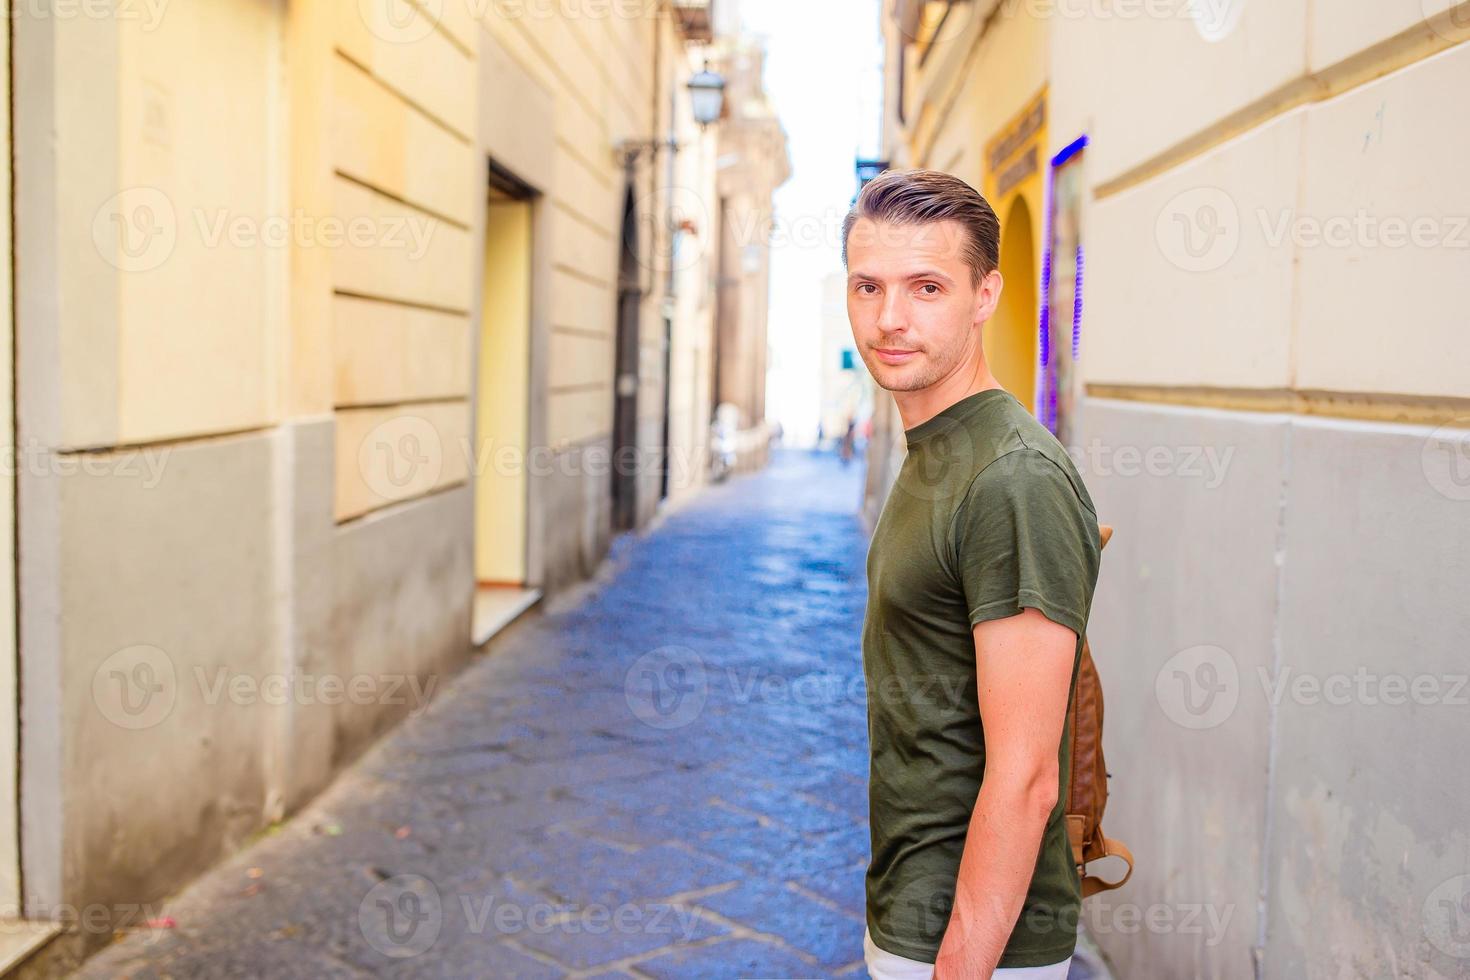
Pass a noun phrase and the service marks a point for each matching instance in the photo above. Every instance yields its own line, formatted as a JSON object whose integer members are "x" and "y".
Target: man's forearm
{"x": 995, "y": 872}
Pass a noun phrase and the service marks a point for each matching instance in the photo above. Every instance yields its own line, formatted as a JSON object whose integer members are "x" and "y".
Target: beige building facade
{"x": 1229, "y": 233}
{"x": 330, "y": 321}
{"x": 753, "y": 162}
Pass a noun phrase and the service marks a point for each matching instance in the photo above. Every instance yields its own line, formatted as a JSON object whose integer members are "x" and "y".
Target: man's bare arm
{"x": 1023, "y": 666}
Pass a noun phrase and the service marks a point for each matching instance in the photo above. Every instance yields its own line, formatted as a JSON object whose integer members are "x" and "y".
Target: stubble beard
{"x": 930, "y": 371}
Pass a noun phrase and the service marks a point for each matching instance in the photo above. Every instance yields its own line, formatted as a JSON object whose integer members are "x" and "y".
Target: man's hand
{"x": 1023, "y": 668}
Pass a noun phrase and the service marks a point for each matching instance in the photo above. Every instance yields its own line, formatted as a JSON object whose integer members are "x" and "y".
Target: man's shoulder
{"x": 1022, "y": 453}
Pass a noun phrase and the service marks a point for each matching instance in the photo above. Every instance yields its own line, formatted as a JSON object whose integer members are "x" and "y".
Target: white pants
{"x": 883, "y": 965}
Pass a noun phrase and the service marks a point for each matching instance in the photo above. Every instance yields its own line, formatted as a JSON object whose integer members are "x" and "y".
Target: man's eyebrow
{"x": 929, "y": 274}
{"x": 921, "y": 274}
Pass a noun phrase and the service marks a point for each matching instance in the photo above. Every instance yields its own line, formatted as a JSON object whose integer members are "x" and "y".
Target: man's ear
{"x": 987, "y": 296}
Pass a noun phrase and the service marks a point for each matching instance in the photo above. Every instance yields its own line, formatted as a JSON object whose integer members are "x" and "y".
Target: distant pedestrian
{"x": 981, "y": 572}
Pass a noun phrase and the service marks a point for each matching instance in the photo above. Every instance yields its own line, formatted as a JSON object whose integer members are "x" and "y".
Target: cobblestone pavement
{"x": 662, "y": 777}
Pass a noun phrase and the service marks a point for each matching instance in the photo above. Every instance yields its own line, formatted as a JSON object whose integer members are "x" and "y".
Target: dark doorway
{"x": 625, "y": 378}
{"x": 663, "y": 469}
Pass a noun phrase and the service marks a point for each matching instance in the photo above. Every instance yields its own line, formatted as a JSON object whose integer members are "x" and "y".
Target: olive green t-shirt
{"x": 987, "y": 515}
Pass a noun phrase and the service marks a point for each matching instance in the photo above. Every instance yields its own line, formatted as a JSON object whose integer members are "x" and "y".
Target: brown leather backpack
{"x": 1087, "y": 795}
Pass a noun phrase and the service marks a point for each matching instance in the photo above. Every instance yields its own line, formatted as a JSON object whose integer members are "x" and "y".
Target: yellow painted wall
{"x": 399, "y": 127}
{"x": 501, "y": 413}
{"x": 598, "y": 69}
{"x": 200, "y": 281}
{"x": 1011, "y": 335}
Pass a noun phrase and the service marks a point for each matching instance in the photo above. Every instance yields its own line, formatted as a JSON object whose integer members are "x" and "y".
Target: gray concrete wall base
{"x": 224, "y": 647}
{"x": 1276, "y": 588}
{"x": 576, "y": 497}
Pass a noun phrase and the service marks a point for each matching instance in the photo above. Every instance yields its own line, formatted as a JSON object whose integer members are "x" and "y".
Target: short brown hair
{"x": 913, "y": 197}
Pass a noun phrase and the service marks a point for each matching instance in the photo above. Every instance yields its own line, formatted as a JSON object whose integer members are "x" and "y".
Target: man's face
{"x": 915, "y": 312}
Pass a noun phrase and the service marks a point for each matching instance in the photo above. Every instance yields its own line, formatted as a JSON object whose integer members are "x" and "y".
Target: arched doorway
{"x": 1010, "y": 336}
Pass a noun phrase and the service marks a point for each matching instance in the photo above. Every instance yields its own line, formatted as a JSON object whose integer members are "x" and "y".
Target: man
{"x": 981, "y": 573}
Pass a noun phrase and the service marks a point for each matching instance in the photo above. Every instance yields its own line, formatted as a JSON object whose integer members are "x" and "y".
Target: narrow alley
{"x": 663, "y": 776}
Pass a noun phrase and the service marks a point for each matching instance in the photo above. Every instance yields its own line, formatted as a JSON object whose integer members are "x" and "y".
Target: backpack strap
{"x": 1092, "y": 884}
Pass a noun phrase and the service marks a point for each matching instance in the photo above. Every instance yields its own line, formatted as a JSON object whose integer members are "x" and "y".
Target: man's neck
{"x": 921, "y": 405}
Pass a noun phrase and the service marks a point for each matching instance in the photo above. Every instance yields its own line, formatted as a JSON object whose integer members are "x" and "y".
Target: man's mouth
{"x": 894, "y": 355}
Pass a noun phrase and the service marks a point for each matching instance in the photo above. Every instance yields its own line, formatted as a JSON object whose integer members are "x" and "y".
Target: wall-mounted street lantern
{"x": 707, "y": 95}
{"x": 707, "y": 92}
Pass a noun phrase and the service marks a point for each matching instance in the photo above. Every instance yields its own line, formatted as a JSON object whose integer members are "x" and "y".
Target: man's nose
{"x": 892, "y": 314}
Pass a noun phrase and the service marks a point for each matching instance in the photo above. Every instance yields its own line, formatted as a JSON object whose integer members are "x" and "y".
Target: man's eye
{"x": 930, "y": 288}
{"x": 865, "y": 287}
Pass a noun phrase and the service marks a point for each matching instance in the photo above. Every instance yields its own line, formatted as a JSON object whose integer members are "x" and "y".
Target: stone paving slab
{"x": 662, "y": 776}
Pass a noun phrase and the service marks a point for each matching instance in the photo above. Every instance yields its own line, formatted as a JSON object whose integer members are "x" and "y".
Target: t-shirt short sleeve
{"x": 1023, "y": 537}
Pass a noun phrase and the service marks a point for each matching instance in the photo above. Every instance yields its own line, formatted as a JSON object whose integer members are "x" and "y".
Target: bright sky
{"x": 824, "y": 74}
